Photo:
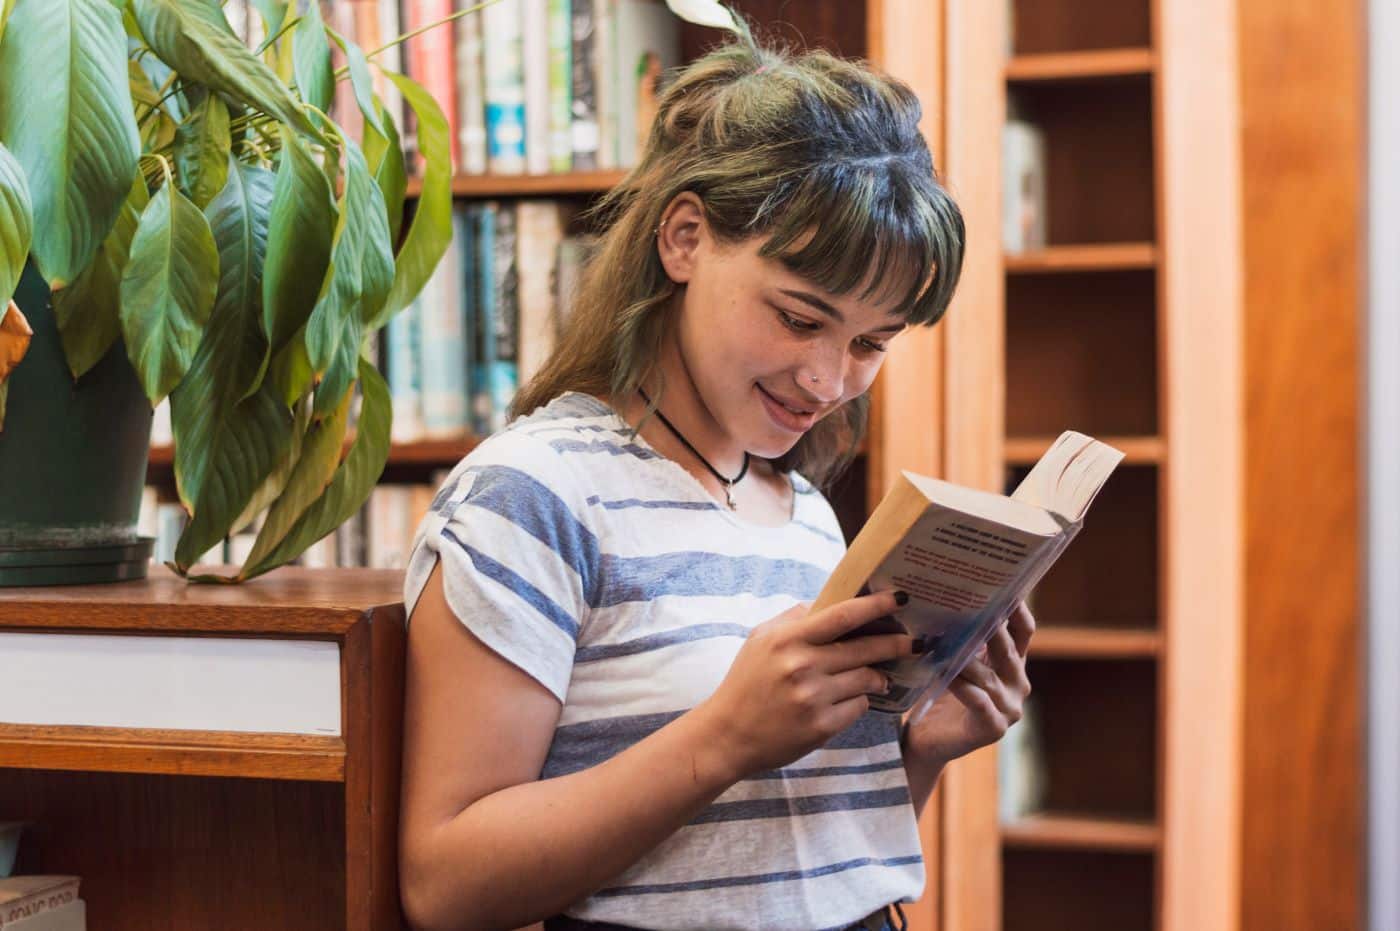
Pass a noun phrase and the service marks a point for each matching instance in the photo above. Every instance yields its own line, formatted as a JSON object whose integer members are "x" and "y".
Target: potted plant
{"x": 180, "y": 217}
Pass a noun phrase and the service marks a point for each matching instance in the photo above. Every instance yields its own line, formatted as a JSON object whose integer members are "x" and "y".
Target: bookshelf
{"x": 1111, "y": 327}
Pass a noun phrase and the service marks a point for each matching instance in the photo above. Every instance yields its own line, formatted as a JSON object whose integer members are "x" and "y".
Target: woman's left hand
{"x": 980, "y": 704}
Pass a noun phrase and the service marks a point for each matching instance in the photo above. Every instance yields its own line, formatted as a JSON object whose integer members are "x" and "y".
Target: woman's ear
{"x": 680, "y": 236}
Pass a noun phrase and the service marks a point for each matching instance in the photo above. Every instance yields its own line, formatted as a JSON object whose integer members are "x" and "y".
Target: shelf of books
{"x": 1090, "y": 799}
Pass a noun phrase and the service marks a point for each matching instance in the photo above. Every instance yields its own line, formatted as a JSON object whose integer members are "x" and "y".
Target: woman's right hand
{"x": 796, "y": 684}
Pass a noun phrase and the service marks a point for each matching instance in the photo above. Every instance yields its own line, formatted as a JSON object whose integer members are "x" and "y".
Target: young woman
{"x": 619, "y": 708}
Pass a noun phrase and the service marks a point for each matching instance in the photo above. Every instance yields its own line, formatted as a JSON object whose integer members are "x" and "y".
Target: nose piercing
{"x": 815, "y": 379}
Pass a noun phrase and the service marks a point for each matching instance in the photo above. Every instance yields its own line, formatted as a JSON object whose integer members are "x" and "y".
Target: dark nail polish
{"x": 901, "y": 598}
{"x": 922, "y": 644}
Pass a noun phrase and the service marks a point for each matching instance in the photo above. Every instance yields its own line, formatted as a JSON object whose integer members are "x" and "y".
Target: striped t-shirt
{"x": 607, "y": 573}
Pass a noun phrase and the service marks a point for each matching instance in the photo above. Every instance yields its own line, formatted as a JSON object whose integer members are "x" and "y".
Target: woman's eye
{"x": 869, "y": 345}
{"x": 797, "y": 324}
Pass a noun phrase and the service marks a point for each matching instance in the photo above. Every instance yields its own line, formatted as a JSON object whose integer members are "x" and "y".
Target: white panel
{"x": 1382, "y": 520}
{"x": 182, "y": 683}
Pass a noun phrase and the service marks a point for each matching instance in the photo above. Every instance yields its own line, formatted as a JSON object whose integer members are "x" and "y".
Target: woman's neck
{"x": 675, "y": 394}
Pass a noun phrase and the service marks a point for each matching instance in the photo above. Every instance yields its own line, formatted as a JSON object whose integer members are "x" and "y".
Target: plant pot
{"x": 72, "y": 461}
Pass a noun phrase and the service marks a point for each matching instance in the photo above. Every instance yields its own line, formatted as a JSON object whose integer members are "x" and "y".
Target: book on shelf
{"x": 25, "y": 899}
{"x": 1022, "y": 775}
{"x": 966, "y": 558}
{"x": 1023, "y": 183}
{"x": 471, "y": 92}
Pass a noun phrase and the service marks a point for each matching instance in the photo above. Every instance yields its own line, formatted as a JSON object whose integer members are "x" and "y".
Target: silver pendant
{"x": 729, "y": 495}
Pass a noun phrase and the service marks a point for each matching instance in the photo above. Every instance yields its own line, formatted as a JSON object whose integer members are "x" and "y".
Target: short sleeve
{"x": 518, "y": 562}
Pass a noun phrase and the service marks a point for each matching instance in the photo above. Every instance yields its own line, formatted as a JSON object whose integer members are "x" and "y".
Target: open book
{"x": 965, "y": 557}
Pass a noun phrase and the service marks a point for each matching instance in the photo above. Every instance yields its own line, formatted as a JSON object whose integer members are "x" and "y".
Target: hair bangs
{"x": 868, "y": 228}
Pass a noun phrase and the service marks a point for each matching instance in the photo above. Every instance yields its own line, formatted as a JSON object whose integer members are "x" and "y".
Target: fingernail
{"x": 901, "y": 598}
{"x": 922, "y": 644}
{"x": 888, "y": 686}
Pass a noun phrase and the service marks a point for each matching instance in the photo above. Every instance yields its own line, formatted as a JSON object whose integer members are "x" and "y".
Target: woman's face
{"x": 769, "y": 353}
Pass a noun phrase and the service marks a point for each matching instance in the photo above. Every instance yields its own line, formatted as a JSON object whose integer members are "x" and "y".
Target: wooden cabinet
{"x": 244, "y": 826}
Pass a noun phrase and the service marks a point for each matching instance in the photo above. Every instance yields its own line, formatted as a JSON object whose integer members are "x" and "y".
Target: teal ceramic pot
{"x": 72, "y": 461}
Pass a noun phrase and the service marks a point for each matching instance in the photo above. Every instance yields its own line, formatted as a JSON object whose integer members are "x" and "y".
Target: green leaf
{"x": 386, "y": 161}
{"x": 226, "y": 448}
{"x": 310, "y": 477}
{"x": 361, "y": 81}
{"x": 353, "y": 481}
{"x": 274, "y": 14}
{"x": 362, "y": 269}
{"x": 167, "y": 290}
{"x": 233, "y": 345}
{"x": 5, "y": 7}
{"x": 273, "y": 486}
{"x": 202, "y": 147}
{"x": 431, "y": 230}
{"x": 290, "y": 372}
{"x": 16, "y": 224}
{"x": 66, "y": 116}
{"x": 88, "y": 312}
{"x": 298, "y": 245}
{"x": 311, "y": 60}
{"x": 204, "y": 53}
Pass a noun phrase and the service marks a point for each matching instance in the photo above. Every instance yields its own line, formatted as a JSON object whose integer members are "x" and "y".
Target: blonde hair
{"x": 820, "y": 155}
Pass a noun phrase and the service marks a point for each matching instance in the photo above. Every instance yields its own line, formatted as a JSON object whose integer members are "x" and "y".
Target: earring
{"x": 657, "y": 231}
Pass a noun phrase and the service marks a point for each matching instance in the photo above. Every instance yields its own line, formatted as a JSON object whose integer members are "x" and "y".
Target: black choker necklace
{"x": 727, "y": 482}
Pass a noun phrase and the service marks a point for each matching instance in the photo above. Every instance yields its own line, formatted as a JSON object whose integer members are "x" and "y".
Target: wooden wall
{"x": 1302, "y": 95}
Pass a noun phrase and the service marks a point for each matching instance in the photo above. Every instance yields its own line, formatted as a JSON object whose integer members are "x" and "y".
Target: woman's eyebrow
{"x": 815, "y": 301}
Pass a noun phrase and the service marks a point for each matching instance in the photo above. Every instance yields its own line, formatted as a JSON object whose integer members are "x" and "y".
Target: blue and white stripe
{"x": 607, "y": 573}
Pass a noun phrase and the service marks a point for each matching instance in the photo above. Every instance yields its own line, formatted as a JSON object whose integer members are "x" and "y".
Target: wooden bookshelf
{"x": 1081, "y": 66}
{"x": 218, "y": 828}
{"x": 1099, "y": 257}
{"x": 1137, "y": 450}
{"x": 1114, "y": 329}
{"x": 442, "y": 453}
{"x": 563, "y": 184}
{"x": 1055, "y": 641}
{"x": 1067, "y": 832}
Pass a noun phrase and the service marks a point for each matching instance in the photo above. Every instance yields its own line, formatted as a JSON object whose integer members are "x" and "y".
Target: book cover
{"x": 483, "y": 338}
{"x": 24, "y": 897}
{"x": 966, "y": 558}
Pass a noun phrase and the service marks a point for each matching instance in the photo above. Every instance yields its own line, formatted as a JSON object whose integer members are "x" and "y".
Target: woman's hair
{"x": 819, "y": 155}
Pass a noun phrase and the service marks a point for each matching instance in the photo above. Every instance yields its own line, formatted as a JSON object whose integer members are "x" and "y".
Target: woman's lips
{"x": 779, "y": 413}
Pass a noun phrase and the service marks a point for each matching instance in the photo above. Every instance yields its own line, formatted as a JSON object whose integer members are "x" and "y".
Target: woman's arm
{"x": 484, "y": 844}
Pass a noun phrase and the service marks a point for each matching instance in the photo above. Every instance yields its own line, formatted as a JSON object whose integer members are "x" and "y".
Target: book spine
{"x": 47, "y": 900}
{"x": 471, "y": 90}
{"x": 485, "y": 230}
{"x": 604, "y": 89}
{"x": 402, "y": 370}
{"x": 388, "y": 28}
{"x": 539, "y": 229}
{"x": 506, "y": 316}
{"x": 443, "y": 344}
{"x": 432, "y": 62}
{"x": 646, "y": 42}
{"x": 560, "y": 79}
{"x": 1023, "y": 220}
{"x": 583, "y": 107}
{"x": 535, "y": 48}
{"x": 344, "y": 109}
{"x": 503, "y": 41}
